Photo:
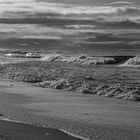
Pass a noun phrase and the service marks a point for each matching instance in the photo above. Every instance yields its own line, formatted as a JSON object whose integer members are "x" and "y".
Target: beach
{"x": 87, "y": 116}
{"x": 69, "y": 70}
{"x": 16, "y": 131}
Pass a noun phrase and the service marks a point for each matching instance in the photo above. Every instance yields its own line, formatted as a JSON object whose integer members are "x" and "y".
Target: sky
{"x": 29, "y": 8}
{"x": 70, "y": 22}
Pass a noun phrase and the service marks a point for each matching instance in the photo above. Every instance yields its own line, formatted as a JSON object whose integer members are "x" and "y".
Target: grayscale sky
{"x": 70, "y": 22}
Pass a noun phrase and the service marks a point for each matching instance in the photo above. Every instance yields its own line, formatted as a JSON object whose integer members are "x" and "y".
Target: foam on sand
{"x": 77, "y": 136}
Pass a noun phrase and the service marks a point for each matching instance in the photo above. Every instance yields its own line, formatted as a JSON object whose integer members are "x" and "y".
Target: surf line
{"x": 64, "y": 131}
{"x": 73, "y": 135}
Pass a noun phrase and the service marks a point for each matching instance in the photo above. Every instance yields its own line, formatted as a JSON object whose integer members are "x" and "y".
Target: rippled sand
{"x": 89, "y": 116}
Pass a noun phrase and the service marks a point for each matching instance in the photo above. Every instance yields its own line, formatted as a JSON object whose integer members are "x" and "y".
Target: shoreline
{"x": 70, "y": 135}
{"x": 69, "y": 112}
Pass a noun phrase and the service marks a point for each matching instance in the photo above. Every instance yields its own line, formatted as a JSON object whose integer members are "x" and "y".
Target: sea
{"x": 75, "y": 27}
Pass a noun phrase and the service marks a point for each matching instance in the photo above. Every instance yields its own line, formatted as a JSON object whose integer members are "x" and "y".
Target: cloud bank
{"x": 17, "y": 9}
{"x": 109, "y": 23}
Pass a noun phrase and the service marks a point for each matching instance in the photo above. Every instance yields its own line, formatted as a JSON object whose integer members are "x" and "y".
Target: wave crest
{"x": 133, "y": 62}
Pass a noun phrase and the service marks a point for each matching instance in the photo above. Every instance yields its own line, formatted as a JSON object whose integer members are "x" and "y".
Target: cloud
{"x": 36, "y": 31}
{"x": 129, "y": 11}
{"x": 45, "y": 12}
{"x": 80, "y": 26}
{"x": 42, "y": 37}
{"x": 120, "y": 3}
{"x": 25, "y": 8}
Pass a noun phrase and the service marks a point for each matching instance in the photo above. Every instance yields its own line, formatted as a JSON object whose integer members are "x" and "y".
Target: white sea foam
{"x": 126, "y": 65}
{"x": 74, "y": 135}
{"x": 132, "y": 62}
{"x": 9, "y": 120}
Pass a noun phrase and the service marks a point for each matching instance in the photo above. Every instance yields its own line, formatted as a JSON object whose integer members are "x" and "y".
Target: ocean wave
{"x": 123, "y": 61}
{"x": 132, "y": 62}
{"x": 88, "y": 60}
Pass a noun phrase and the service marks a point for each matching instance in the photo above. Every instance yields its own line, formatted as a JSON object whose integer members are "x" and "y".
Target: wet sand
{"x": 89, "y": 116}
{"x": 19, "y": 131}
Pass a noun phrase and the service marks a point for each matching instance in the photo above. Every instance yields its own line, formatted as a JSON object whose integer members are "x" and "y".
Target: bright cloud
{"x": 120, "y": 3}
{"x": 29, "y": 8}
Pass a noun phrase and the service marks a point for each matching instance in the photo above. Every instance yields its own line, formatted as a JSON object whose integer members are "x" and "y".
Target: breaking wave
{"x": 124, "y": 61}
{"x": 132, "y": 62}
{"x": 95, "y": 60}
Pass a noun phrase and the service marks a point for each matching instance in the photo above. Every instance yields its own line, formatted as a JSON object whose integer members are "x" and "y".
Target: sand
{"x": 19, "y": 131}
{"x": 88, "y": 116}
